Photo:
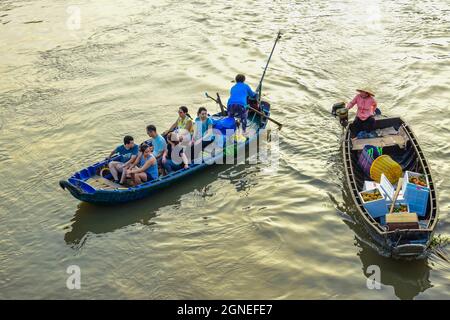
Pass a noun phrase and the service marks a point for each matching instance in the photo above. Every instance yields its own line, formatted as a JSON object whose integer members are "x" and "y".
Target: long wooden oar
{"x": 265, "y": 116}
{"x": 222, "y": 107}
{"x": 219, "y": 102}
{"x": 259, "y": 89}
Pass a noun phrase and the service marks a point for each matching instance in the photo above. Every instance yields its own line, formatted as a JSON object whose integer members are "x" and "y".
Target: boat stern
{"x": 416, "y": 251}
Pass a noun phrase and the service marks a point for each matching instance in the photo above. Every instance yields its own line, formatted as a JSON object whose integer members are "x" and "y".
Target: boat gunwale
{"x": 434, "y": 212}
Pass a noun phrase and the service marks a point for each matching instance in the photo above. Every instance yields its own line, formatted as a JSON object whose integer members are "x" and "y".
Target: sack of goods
{"x": 368, "y": 154}
{"x": 227, "y": 125}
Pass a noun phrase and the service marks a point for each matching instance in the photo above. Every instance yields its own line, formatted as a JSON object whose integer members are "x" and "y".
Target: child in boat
{"x": 174, "y": 157}
{"x": 183, "y": 125}
{"x": 203, "y": 132}
{"x": 237, "y": 103}
{"x": 147, "y": 168}
{"x": 128, "y": 152}
{"x": 364, "y": 120}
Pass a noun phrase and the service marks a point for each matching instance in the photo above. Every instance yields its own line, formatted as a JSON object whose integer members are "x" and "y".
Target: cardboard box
{"x": 402, "y": 221}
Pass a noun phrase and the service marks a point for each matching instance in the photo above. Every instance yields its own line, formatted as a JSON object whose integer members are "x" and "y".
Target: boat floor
{"x": 101, "y": 183}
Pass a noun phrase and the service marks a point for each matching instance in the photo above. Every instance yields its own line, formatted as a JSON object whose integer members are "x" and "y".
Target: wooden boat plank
{"x": 386, "y": 141}
{"x": 101, "y": 183}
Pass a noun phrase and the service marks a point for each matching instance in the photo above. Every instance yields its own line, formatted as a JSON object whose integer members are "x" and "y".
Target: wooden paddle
{"x": 268, "y": 118}
{"x": 218, "y": 101}
{"x": 397, "y": 191}
{"x": 222, "y": 107}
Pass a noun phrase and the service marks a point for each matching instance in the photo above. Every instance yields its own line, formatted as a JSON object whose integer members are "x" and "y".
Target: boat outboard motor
{"x": 339, "y": 110}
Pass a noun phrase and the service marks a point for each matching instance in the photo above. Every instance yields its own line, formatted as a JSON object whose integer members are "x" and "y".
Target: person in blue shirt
{"x": 237, "y": 103}
{"x": 203, "y": 132}
{"x": 128, "y": 153}
{"x": 203, "y": 126}
{"x": 147, "y": 168}
{"x": 158, "y": 141}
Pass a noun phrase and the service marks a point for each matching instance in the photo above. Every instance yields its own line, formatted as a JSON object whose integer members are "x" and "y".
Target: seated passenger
{"x": 365, "y": 115}
{"x": 183, "y": 124}
{"x": 159, "y": 143}
{"x": 147, "y": 169}
{"x": 237, "y": 103}
{"x": 128, "y": 152}
{"x": 174, "y": 157}
{"x": 203, "y": 132}
{"x": 126, "y": 171}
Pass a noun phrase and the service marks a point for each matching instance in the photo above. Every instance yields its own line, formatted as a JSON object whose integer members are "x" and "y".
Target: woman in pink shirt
{"x": 364, "y": 120}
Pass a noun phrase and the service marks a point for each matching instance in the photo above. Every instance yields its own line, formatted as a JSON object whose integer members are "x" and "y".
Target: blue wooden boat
{"x": 89, "y": 186}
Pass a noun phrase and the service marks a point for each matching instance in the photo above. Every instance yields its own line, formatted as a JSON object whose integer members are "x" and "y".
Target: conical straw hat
{"x": 366, "y": 89}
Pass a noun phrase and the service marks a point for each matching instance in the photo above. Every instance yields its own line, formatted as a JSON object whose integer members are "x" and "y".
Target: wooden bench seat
{"x": 400, "y": 139}
{"x": 385, "y": 141}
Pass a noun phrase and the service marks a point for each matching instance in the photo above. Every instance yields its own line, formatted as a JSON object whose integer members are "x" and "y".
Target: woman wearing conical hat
{"x": 364, "y": 120}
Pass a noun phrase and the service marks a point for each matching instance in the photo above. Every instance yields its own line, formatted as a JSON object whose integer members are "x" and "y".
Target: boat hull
{"x": 82, "y": 191}
{"x": 399, "y": 243}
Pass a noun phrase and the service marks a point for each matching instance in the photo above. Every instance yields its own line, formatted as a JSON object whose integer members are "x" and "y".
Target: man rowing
{"x": 237, "y": 103}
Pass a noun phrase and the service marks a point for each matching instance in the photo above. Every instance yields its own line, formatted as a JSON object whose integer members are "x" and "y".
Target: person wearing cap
{"x": 174, "y": 158}
{"x": 237, "y": 103}
{"x": 364, "y": 120}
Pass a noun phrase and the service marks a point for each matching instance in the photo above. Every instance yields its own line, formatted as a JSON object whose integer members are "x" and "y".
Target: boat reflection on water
{"x": 407, "y": 277}
{"x": 91, "y": 219}
{"x": 94, "y": 219}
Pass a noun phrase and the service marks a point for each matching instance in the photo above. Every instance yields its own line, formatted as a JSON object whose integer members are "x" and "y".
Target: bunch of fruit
{"x": 371, "y": 195}
{"x": 400, "y": 208}
{"x": 418, "y": 180}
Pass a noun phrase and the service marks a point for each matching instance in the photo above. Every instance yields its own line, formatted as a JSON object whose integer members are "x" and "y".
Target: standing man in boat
{"x": 128, "y": 152}
{"x": 364, "y": 120}
{"x": 237, "y": 103}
